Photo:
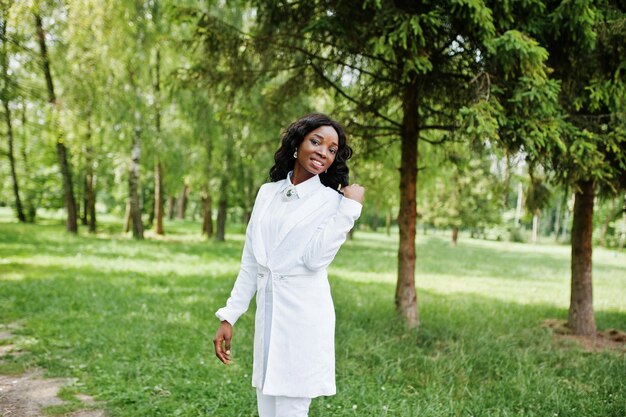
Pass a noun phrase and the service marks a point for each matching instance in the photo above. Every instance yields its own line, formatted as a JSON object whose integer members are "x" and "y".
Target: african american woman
{"x": 298, "y": 223}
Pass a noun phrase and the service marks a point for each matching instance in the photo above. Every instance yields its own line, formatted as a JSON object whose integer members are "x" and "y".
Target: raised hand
{"x": 354, "y": 192}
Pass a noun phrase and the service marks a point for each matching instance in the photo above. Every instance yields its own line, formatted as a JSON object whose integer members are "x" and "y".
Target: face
{"x": 318, "y": 150}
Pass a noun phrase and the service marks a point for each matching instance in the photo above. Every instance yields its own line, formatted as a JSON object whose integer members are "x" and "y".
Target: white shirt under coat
{"x": 292, "y": 243}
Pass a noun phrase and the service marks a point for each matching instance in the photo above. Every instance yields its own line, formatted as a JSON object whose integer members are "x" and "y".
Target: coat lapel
{"x": 314, "y": 202}
{"x": 258, "y": 248}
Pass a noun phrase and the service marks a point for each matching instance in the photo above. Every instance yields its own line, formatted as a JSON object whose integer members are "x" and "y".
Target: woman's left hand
{"x": 354, "y": 192}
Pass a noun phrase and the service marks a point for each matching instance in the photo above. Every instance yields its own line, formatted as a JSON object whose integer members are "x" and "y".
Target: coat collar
{"x": 304, "y": 188}
{"x": 315, "y": 200}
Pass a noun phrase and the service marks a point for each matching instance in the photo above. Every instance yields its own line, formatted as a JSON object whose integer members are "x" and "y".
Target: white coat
{"x": 301, "y": 356}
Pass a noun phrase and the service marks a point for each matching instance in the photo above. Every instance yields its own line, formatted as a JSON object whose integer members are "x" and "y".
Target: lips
{"x": 317, "y": 163}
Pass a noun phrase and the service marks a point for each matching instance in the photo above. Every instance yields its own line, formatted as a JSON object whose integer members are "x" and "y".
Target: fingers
{"x": 222, "y": 353}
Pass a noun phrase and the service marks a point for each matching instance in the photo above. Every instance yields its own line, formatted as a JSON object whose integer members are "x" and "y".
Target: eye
{"x": 333, "y": 151}
{"x": 315, "y": 141}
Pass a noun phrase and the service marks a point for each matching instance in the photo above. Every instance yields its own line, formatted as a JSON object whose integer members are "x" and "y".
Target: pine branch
{"x": 375, "y": 112}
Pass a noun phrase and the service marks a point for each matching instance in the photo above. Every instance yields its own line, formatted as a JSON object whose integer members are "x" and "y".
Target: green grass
{"x": 133, "y": 321}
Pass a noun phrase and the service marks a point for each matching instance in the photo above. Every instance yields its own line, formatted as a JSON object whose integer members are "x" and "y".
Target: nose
{"x": 321, "y": 152}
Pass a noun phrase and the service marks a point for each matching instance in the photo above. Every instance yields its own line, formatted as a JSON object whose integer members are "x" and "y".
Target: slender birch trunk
{"x": 535, "y": 236}
{"x": 171, "y": 207}
{"x": 62, "y": 153}
{"x": 182, "y": 202}
{"x": 5, "y": 97}
{"x": 133, "y": 180}
{"x": 158, "y": 197}
{"x": 222, "y": 207}
{"x": 16, "y": 189}
{"x": 30, "y": 204}
{"x": 158, "y": 167}
{"x": 207, "y": 209}
{"x": 90, "y": 180}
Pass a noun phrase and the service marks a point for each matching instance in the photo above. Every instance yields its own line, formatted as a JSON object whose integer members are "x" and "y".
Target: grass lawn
{"x": 133, "y": 321}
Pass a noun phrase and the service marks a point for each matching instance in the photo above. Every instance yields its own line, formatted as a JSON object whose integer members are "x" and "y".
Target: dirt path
{"x": 29, "y": 393}
{"x": 613, "y": 340}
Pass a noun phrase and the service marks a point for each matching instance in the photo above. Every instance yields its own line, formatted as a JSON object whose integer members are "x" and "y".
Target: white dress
{"x": 289, "y": 245}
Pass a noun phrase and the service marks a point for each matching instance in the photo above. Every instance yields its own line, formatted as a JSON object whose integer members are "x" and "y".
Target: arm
{"x": 239, "y": 300}
{"x": 245, "y": 285}
{"x": 330, "y": 235}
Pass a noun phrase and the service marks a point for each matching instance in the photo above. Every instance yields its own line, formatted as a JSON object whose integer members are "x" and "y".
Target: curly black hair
{"x": 337, "y": 174}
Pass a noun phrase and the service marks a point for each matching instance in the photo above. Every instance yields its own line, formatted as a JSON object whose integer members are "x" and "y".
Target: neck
{"x": 300, "y": 174}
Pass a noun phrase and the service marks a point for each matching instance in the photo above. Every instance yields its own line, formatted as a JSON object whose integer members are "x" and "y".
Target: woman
{"x": 298, "y": 223}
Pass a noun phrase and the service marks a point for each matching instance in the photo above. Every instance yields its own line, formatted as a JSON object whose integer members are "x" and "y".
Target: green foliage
{"x": 467, "y": 194}
{"x": 518, "y": 55}
{"x": 543, "y": 80}
{"x": 537, "y": 195}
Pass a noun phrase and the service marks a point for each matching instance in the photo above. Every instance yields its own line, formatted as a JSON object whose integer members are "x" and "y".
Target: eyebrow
{"x": 322, "y": 137}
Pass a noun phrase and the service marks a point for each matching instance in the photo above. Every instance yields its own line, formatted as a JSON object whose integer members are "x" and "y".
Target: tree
{"x": 466, "y": 195}
{"x": 586, "y": 108}
{"x": 7, "y": 93}
{"x": 406, "y": 70}
{"x": 62, "y": 152}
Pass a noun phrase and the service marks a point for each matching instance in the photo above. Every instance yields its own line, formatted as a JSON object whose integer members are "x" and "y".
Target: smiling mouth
{"x": 317, "y": 163}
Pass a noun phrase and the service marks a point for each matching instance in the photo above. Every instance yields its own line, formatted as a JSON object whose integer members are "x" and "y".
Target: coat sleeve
{"x": 330, "y": 235}
{"x": 245, "y": 285}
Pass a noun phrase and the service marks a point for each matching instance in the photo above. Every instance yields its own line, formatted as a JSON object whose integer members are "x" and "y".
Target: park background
{"x": 489, "y": 135}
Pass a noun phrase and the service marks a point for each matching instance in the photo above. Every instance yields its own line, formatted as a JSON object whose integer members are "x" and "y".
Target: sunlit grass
{"x": 516, "y": 272}
{"x": 133, "y": 321}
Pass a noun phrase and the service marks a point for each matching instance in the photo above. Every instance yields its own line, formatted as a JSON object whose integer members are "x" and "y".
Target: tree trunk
{"x": 91, "y": 202}
{"x": 388, "y": 222}
{"x": 89, "y": 218}
{"x": 7, "y": 115}
{"x": 520, "y": 199}
{"x": 127, "y": 219}
{"x": 31, "y": 206}
{"x": 507, "y": 180}
{"x": 455, "y": 235}
{"x": 158, "y": 168}
{"x": 133, "y": 181}
{"x": 375, "y": 219}
{"x": 207, "y": 200}
{"x": 90, "y": 181}
{"x": 158, "y": 197}
{"x": 84, "y": 216}
{"x": 151, "y": 213}
{"x": 559, "y": 230}
{"x": 16, "y": 189}
{"x": 68, "y": 189}
{"x": 581, "y": 319}
{"x": 607, "y": 221}
{"x": 171, "y": 207}
{"x": 622, "y": 238}
{"x": 182, "y": 202}
{"x": 222, "y": 206}
{"x": 207, "y": 217}
{"x": 535, "y": 236}
{"x": 406, "y": 296}
{"x": 557, "y": 220}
